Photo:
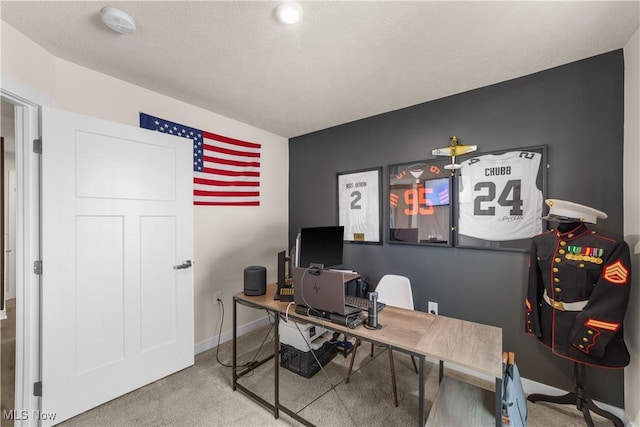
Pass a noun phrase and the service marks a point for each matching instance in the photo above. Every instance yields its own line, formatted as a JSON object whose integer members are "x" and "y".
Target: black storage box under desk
{"x": 302, "y": 362}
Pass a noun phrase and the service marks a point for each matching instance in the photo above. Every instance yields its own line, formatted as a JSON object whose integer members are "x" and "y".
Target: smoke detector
{"x": 119, "y": 21}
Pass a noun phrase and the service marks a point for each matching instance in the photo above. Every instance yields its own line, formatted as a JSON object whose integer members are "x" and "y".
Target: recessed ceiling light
{"x": 118, "y": 21}
{"x": 289, "y": 12}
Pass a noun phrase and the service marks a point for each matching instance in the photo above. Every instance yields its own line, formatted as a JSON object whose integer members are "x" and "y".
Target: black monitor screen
{"x": 321, "y": 245}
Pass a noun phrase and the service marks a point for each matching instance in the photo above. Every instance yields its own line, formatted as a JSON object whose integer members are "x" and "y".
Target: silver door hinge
{"x": 37, "y": 388}
{"x": 37, "y": 267}
{"x": 37, "y": 146}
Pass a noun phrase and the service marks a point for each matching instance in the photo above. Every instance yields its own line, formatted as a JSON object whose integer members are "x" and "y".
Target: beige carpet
{"x": 8, "y": 362}
{"x": 202, "y": 395}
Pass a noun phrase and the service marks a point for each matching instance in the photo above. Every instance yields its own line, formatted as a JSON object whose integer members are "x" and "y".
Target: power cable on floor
{"x": 255, "y": 357}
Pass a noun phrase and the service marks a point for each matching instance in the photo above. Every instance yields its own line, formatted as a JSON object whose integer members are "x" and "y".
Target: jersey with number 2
{"x": 359, "y": 206}
{"x": 499, "y": 199}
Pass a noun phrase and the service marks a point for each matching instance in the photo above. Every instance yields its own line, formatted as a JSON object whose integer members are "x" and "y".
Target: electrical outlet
{"x": 217, "y": 296}
{"x": 432, "y": 307}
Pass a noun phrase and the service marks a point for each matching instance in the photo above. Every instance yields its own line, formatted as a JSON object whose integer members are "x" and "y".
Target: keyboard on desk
{"x": 363, "y": 303}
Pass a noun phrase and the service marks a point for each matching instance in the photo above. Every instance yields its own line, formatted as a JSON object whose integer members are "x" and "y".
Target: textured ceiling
{"x": 344, "y": 61}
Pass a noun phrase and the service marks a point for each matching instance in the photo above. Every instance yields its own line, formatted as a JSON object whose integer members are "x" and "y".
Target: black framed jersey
{"x": 419, "y": 198}
{"x": 499, "y": 198}
{"x": 359, "y": 205}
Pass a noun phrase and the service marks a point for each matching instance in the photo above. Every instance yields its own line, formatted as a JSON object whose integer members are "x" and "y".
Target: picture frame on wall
{"x": 420, "y": 203}
{"x": 500, "y": 198}
{"x": 359, "y": 205}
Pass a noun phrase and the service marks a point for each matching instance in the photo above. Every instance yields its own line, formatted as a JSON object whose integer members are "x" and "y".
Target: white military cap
{"x": 564, "y": 211}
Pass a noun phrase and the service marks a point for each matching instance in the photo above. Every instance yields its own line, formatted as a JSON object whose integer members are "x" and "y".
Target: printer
{"x": 303, "y": 336}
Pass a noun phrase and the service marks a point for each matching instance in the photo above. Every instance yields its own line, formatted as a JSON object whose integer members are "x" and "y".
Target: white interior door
{"x": 116, "y": 220}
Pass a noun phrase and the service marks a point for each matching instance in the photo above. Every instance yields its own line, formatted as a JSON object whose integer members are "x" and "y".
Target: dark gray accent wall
{"x": 576, "y": 109}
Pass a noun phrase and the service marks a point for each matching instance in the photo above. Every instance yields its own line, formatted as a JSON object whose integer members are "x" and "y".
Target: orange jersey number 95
{"x": 417, "y": 203}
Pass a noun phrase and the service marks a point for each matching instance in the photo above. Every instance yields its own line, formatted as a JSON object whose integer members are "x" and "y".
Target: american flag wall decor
{"x": 226, "y": 171}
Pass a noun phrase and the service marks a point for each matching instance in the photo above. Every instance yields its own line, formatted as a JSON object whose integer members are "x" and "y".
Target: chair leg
{"x": 371, "y": 349}
{"x": 353, "y": 357}
{"x": 393, "y": 378}
{"x": 415, "y": 367}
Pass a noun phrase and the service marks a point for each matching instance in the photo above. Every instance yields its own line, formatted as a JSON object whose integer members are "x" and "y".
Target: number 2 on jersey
{"x": 355, "y": 196}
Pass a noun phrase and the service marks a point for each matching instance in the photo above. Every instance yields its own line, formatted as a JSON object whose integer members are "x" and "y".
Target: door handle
{"x": 185, "y": 264}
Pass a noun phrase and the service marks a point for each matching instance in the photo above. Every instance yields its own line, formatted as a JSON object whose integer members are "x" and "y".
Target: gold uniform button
{"x": 590, "y": 332}
{"x": 561, "y": 251}
{"x": 581, "y": 346}
{"x": 581, "y": 265}
{"x": 555, "y": 269}
{"x": 563, "y": 243}
{"x": 558, "y": 290}
{"x": 558, "y": 260}
{"x": 570, "y": 235}
{"x": 555, "y": 279}
{"x": 585, "y": 339}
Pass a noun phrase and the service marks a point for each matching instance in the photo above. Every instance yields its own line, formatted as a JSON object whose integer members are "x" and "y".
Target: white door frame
{"x": 27, "y": 128}
{"x": 10, "y": 231}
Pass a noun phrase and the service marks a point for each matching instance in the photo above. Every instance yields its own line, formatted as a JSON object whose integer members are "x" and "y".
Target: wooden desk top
{"x": 468, "y": 344}
{"x": 465, "y": 343}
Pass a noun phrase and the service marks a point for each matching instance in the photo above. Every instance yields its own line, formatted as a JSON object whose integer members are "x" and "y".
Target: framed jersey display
{"x": 500, "y": 198}
{"x": 359, "y": 209}
{"x": 420, "y": 203}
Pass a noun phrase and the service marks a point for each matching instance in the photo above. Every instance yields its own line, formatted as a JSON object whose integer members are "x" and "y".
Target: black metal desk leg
{"x": 498, "y": 395}
{"x": 235, "y": 366}
{"x": 421, "y": 419}
{"x": 276, "y": 358}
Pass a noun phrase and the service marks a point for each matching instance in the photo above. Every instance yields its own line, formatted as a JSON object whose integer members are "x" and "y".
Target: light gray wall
{"x": 576, "y": 109}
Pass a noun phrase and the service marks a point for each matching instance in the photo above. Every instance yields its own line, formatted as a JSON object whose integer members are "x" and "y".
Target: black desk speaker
{"x": 255, "y": 280}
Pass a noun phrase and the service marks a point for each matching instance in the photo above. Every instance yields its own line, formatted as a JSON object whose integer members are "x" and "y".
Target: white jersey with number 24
{"x": 499, "y": 199}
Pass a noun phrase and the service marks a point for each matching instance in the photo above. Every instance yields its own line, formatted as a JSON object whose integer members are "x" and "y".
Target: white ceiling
{"x": 344, "y": 61}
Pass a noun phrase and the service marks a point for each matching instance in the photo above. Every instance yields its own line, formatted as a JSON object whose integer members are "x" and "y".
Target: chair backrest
{"x": 396, "y": 291}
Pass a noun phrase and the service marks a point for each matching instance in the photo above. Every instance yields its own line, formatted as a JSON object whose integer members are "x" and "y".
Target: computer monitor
{"x": 320, "y": 246}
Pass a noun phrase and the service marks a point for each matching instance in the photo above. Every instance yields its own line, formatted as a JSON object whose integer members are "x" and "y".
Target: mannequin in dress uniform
{"x": 579, "y": 288}
{"x": 577, "y": 296}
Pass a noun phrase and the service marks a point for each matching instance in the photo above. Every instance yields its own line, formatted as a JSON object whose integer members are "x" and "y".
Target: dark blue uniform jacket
{"x": 591, "y": 270}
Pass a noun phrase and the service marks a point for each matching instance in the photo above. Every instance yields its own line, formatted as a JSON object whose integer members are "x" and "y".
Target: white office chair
{"x": 395, "y": 291}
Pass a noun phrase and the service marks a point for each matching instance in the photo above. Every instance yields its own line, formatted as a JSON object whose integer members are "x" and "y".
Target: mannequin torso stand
{"x": 580, "y": 397}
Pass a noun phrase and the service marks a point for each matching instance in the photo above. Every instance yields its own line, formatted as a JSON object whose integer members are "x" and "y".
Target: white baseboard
{"x": 531, "y": 387}
{"x": 227, "y": 336}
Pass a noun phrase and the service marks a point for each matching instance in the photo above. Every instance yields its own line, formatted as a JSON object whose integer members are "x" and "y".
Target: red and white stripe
{"x": 231, "y": 173}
